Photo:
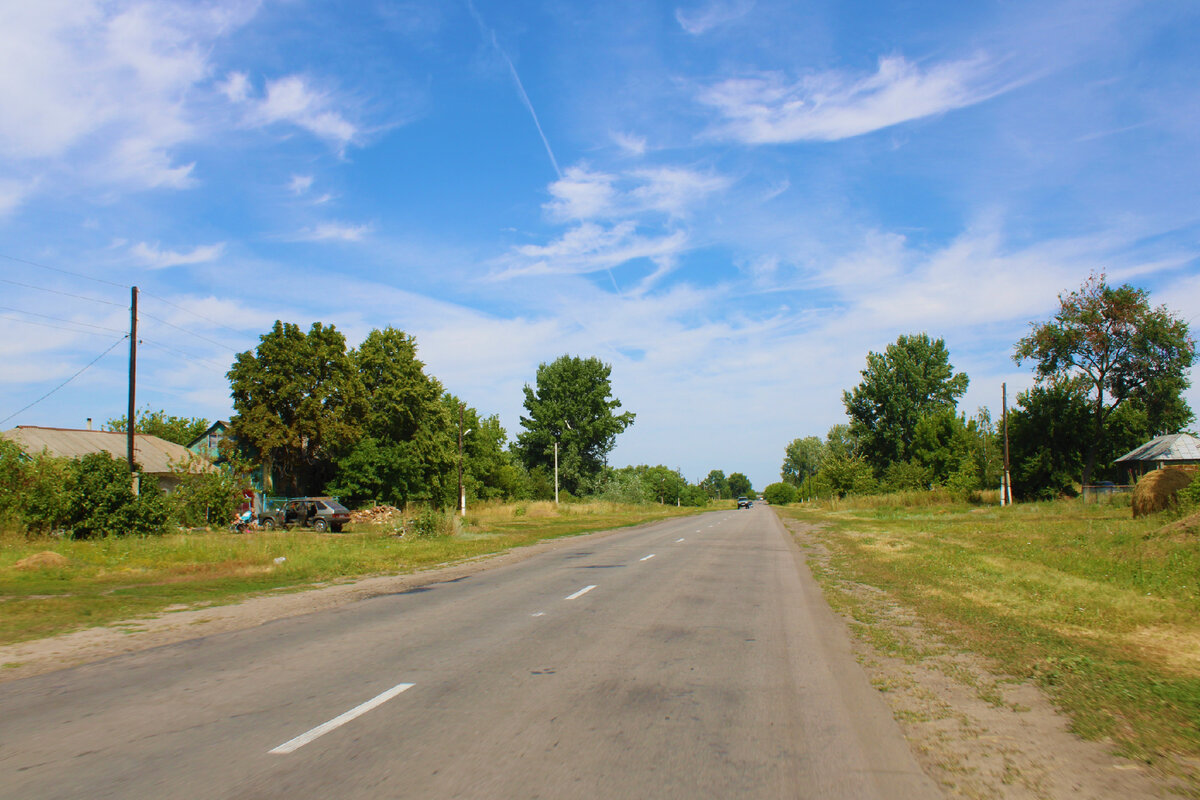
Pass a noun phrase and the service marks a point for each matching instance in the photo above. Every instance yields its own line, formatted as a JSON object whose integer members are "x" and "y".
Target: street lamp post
{"x": 557, "y": 435}
{"x": 462, "y": 489}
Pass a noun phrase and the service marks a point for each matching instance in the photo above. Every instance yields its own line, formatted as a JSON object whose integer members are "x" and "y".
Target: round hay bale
{"x": 1155, "y": 491}
{"x": 43, "y": 560}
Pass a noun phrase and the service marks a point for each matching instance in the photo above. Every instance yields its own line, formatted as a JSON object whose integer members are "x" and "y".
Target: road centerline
{"x": 646, "y": 558}
{"x": 295, "y": 744}
{"x": 580, "y": 593}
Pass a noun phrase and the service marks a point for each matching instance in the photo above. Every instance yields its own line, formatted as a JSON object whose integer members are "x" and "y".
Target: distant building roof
{"x": 1173, "y": 447}
{"x": 154, "y": 455}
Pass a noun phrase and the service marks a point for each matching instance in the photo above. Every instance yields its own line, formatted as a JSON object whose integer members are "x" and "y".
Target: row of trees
{"x": 1111, "y": 371}
{"x": 370, "y": 426}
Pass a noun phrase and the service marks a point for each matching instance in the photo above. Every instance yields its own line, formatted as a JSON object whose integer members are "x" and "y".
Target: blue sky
{"x": 730, "y": 201}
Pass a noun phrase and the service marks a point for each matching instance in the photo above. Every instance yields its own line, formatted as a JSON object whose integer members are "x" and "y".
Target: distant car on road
{"x": 319, "y": 513}
{"x": 744, "y": 502}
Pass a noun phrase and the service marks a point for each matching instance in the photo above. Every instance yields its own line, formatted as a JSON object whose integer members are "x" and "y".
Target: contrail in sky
{"x": 520, "y": 86}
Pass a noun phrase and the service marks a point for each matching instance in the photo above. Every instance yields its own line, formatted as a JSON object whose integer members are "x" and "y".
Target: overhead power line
{"x": 189, "y": 333}
{"x": 64, "y": 294}
{"x": 193, "y": 313}
{"x": 54, "y": 327}
{"x": 63, "y": 271}
{"x": 64, "y": 383}
{"x": 59, "y": 319}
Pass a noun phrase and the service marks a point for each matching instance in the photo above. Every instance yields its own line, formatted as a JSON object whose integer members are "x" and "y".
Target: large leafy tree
{"x": 298, "y": 402}
{"x": 910, "y": 380}
{"x": 1110, "y": 342}
{"x": 409, "y": 448}
{"x": 573, "y": 405}
{"x": 739, "y": 485}
{"x": 716, "y": 484}
{"x": 801, "y": 459}
{"x": 180, "y": 430}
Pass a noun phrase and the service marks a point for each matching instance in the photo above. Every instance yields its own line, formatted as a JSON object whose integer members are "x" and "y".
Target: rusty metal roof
{"x": 1173, "y": 447}
{"x": 154, "y": 455}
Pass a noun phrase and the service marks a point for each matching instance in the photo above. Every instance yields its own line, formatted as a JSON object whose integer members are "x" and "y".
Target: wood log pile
{"x": 377, "y": 515}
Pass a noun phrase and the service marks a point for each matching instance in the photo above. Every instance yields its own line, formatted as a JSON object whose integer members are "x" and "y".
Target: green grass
{"x": 1101, "y": 610}
{"x": 118, "y": 579}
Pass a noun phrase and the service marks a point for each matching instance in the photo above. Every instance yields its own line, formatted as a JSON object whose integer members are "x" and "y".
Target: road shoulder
{"x": 977, "y": 733}
{"x": 40, "y": 656}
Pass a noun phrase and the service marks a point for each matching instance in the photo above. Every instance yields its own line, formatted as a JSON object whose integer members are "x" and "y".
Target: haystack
{"x": 44, "y": 559}
{"x": 1155, "y": 491}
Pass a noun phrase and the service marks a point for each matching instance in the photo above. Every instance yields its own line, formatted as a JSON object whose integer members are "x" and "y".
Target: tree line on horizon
{"x": 1110, "y": 374}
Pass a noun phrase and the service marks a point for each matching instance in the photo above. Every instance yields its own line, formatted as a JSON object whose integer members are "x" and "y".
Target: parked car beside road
{"x": 319, "y": 513}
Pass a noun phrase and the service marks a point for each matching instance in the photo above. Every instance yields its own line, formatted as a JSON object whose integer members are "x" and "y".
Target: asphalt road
{"x": 689, "y": 658}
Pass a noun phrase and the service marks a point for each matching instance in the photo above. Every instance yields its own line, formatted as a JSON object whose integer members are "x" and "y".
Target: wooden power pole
{"x": 132, "y": 373}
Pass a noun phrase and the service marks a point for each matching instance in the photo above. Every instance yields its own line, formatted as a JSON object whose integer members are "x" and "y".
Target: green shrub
{"x": 205, "y": 498}
{"x": 780, "y": 494}
{"x": 430, "y": 523}
{"x": 82, "y": 498}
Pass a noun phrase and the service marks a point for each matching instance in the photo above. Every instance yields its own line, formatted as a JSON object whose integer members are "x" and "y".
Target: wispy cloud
{"x": 333, "y": 231}
{"x": 589, "y": 248}
{"x": 299, "y": 184}
{"x": 107, "y": 90}
{"x": 12, "y": 193}
{"x": 586, "y": 194}
{"x": 629, "y": 143}
{"x": 704, "y": 18}
{"x": 292, "y": 99}
{"x": 153, "y": 256}
{"x": 828, "y": 106}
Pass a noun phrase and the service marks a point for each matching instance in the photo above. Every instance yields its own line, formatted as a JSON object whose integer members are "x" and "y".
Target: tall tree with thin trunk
{"x": 1111, "y": 342}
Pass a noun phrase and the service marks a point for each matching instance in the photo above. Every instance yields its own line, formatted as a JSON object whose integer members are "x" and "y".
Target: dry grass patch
{"x": 82, "y": 584}
{"x": 1099, "y": 609}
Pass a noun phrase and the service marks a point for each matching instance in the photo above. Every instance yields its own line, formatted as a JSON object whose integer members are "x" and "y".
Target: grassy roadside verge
{"x": 109, "y": 580}
{"x": 1100, "y": 610}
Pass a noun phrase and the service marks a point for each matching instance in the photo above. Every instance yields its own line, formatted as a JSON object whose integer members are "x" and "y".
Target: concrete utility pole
{"x": 462, "y": 493}
{"x": 1006, "y": 483}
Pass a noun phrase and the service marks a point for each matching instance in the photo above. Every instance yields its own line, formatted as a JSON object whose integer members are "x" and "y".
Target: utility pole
{"x": 462, "y": 494}
{"x": 129, "y": 427}
{"x": 1006, "y": 483}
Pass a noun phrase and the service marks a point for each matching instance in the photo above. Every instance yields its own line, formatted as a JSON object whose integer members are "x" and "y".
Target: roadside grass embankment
{"x": 114, "y": 579}
{"x": 1100, "y": 610}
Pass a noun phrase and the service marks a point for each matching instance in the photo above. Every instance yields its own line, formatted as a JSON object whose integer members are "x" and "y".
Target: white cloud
{"x": 630, "y": 144}
{"x": 589, "y": 248}
{"x": 830, "y": 106}
{"x": 299, "y": 184}
{"x": 334, "y": 231}
{"x": 236, "y": 87}
{"x": 156, "y": 258}
{"x": 11, "y": 195}
{"x": 673, "y": 190}
{"x": 582, "y": 194}
{"x": 294, "y": 100}
{"x": 706, "y": 17}
{"x": 106, "y": 85}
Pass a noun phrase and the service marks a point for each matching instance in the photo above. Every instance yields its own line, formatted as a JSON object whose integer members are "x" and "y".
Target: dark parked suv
{"x": 319, "y": 513}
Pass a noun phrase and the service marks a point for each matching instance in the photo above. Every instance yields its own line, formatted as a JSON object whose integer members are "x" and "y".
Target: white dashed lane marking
{"x": 338, "y": 721}
{"x": 646, "y": 558}
{"x": 581, "y": 592}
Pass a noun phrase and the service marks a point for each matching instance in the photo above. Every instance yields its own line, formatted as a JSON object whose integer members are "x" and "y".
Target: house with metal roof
{"x": 1172, "y": 450}
{"x": 158, "y": 457}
